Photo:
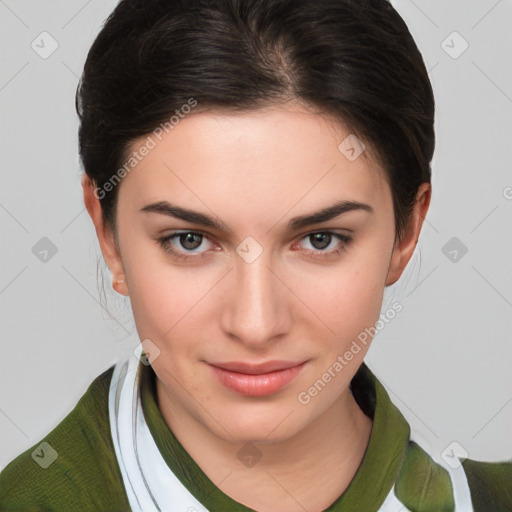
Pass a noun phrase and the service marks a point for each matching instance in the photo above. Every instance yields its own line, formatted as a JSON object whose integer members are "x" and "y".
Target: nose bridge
{"x": 255, "y": 311}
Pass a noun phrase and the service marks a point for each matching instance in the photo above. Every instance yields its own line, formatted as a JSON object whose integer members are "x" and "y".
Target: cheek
{"x": 162, "y": 300}
{"x": 347, "y": 298}
{"x": 162, "y": 295}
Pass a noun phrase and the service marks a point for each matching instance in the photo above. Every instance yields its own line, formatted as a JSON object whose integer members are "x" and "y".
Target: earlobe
{"x": 105, "y": 235}
{"x": 404, "y": 248}
{"x": 119, "y": 286}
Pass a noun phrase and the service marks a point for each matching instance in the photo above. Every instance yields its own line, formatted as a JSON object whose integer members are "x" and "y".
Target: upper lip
{"x": 256, "y": 368}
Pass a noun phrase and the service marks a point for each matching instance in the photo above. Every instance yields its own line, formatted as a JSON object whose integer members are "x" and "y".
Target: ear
{"x": 404, "y": 248}
{"x": 106, "y": 238}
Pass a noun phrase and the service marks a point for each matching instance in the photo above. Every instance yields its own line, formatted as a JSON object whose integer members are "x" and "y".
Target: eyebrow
{"x": 329, "y": 213}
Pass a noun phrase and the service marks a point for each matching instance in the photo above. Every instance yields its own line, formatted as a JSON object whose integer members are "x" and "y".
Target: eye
{"x": 187, "y": 242}
{"x": 324, "y": 239}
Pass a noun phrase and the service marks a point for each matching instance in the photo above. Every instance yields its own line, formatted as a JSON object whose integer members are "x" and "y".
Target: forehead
{"x": 263, "y": 160}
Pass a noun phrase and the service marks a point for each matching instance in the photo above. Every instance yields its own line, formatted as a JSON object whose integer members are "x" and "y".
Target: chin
{"x": 257, "y": 423}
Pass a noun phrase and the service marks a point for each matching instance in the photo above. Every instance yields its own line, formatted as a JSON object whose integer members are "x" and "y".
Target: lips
{"x": 256, "y": 379}
{"x": 256, "y": 369}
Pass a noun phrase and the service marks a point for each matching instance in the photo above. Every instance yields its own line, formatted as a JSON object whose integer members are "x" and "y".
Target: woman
{"x": 257, "y": 173}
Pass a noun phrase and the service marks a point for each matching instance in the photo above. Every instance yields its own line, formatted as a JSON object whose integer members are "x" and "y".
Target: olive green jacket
{"x": 74, "y": 468}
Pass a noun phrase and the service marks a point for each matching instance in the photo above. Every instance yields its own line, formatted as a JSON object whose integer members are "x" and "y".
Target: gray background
{"x": 445, "y": 359}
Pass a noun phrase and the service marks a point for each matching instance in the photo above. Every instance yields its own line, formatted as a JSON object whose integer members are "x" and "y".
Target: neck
{"x": 307, "y": 471}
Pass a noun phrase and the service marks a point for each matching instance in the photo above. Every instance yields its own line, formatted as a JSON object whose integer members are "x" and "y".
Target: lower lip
{"x": 257, "y": 385}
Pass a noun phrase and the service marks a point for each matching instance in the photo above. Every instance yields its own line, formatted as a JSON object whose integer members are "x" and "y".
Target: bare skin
{"x": 296, "y": 301}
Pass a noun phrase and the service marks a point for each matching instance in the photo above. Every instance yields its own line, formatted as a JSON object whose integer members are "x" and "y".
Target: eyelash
{"x": 165, "y": 243}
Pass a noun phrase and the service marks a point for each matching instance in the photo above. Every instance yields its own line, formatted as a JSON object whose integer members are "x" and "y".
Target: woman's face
{"x": 256, "y": 284}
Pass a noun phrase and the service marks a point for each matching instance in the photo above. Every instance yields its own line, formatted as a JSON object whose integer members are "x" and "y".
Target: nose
{"x": 256, "y": 311}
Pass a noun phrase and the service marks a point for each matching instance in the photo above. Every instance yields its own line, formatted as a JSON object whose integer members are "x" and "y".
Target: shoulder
{"x": 74, "y": 467}
{"x": 424, "y": 485}
{"x": 490, "y": 484}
